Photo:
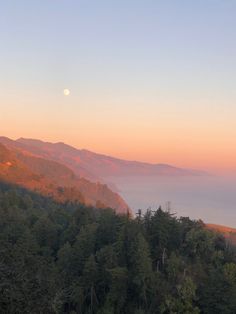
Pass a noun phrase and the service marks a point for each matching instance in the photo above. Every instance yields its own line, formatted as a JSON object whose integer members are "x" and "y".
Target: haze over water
{"x": 210, "y": 198}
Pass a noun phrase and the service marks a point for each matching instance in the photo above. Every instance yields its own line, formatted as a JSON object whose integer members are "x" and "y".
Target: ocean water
{"x": 210, "y": 198}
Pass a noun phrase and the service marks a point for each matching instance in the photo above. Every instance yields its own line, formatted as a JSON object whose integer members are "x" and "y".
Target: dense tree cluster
{"x": 70, "y": 258}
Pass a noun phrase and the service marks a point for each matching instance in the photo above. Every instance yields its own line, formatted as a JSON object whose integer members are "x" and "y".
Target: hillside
{"x": 95, "y": 166}
{"x": 53, "y": 152}
{"x": 54, "y": 179}
{"x": 229, "y": 233}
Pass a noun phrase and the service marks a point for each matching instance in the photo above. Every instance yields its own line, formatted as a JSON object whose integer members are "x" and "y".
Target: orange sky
{"x": 144, "y": 137}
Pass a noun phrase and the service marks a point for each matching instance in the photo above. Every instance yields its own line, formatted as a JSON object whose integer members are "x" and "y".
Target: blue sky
{"x": 61, "y": 37}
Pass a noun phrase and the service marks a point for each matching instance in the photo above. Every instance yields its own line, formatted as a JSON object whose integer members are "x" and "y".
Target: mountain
{"x": 44, "y": 150}
{"x": 228, "y": 232}
{"x": 96, "y": 167}
{"x": 54, "y": 179}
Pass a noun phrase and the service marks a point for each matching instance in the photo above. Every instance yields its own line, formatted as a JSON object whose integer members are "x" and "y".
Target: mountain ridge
{"x": 228, "y": 232}
{"x": 54, "y": 179}
{"x": 102, "y": 166}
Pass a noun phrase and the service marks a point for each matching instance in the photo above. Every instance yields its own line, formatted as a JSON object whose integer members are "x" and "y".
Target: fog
{"x": 210, "y": 198}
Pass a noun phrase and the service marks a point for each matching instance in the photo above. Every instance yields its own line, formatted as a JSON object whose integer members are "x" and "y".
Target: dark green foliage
{"x": 74, "y": 259}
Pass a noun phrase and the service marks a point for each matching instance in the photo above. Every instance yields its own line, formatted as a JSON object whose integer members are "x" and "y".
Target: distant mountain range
{"x": 93, "y": 166}
{"x": 69, "y": 173}
{"x": 53, "y": 179}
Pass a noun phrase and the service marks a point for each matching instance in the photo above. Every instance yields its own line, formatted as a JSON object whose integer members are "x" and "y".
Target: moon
{"x": 66, "y": 92}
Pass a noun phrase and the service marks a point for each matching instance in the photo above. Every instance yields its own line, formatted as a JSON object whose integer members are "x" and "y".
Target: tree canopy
{"x": 69, "y": 258}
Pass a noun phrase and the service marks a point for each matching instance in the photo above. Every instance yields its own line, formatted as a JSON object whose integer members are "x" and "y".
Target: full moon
{"x": 66, "y": 92}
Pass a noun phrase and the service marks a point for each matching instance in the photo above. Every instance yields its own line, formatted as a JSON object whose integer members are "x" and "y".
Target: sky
{"x": 149, "y": 80}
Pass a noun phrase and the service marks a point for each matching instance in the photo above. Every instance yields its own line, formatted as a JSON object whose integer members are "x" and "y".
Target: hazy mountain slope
{"x": 52, "y": 151}
{"x": 99, "y": 165}
{"x": 228, "y": 232}
{"x": 52, "y": 178}
{"x": 12, "y": 169}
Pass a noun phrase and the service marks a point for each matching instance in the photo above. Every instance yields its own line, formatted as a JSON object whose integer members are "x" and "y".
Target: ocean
{"x": 210, "y": 198}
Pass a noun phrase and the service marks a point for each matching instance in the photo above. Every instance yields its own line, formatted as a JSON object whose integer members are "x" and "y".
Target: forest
{"x": 69, "y": 258}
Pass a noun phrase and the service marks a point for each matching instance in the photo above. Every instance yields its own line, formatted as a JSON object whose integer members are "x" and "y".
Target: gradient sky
{"x": 150, "y": 80}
